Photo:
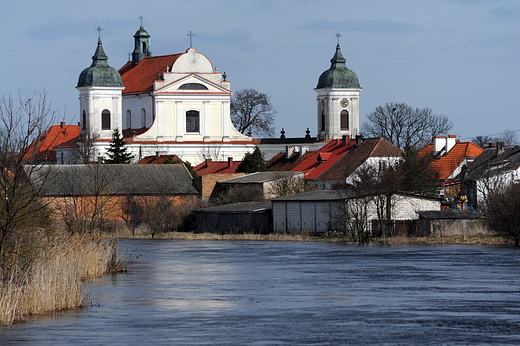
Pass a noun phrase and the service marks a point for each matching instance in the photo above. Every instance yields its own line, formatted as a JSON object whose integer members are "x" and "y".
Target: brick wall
{"x": 206, "y": 184}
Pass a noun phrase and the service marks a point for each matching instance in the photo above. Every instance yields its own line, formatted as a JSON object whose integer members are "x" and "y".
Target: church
{"x": 179, "y": 104}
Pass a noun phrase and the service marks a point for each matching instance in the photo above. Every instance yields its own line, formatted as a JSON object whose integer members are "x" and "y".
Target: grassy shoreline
{"x": 299, "y": 237}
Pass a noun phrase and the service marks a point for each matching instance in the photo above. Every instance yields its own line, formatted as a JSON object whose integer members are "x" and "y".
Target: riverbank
{"x": 305, "y": 237}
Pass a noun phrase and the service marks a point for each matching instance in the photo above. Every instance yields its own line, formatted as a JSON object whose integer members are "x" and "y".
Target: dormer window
{"x": 193, "y": 86}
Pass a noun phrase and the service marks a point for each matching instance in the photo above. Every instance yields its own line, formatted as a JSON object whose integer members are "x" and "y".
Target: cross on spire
{"x": 141, "y": 18}
{"x": 191, "y": 37}
{"x": 98, "y": 29}
{"x": 338, "y": 35}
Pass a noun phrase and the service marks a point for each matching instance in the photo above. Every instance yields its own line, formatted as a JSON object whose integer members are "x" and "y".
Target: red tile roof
{"x": 216, "y": 167}
{"x": 162, "y": 158}
{"x": 280, "y": 163}
{"x": 447, "y": 163}
{"x": 314, "y": 166}
{"x": 140, "y": 78}
{"x": 371, "y": 147}
{"x": 42, "y": 149}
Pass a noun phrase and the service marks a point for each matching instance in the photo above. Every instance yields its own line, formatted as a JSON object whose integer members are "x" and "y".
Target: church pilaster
{"x": 225, "y": 122}
{"x": 207, "y": 137}
{"x": 160, "y": 136}
{"x": 180, "y": 116}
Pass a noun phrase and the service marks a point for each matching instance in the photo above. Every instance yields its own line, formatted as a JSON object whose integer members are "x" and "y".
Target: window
{"x": 344, "y": 120}
{"x": 192, "y": 121}
{"x": 193, "y": 86}
{"x": 84, "y": 121}
{"x": 143, "y": 117}
{"x": 323, "y": 120}
{"x": 128, "y": 119}
{"x": 105, "y": 119}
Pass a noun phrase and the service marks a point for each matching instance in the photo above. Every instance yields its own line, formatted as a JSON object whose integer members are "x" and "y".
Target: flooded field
{"x": 287, "y": 293}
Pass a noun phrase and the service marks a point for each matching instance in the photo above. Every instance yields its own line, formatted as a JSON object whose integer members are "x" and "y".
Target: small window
{"x": 128, "y": 119}
{"x": 143, "y": 117}
{"x": 344, "y": 120}
{"x": 192, "y": 121}
{"x": 84, "y": 121}
{"x": 193, "y": 86}
{"x": 323, "y": 120}
{"x": 105, "y": 119}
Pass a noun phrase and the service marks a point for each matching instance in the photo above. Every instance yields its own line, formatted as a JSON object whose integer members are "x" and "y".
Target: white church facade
{"x": 180, "y": 104}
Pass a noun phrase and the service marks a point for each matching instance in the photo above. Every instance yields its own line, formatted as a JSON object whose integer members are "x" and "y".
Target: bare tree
{"x": 400, "y": 124}
{"x": 86, "y": 151}
{"x": 253, "y": 111}
{"x": 503, "y": 212}
{"x": 508, "y": 137}
{"x": 23, "y": 123}
{"x": 286, "y": 185}
{"x": 482, "y": 141}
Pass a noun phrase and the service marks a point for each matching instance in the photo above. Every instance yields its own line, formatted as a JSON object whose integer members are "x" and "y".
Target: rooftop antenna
{"x": 141, "y": 18}
{"x": 191, "y": 37}
{"x": 98, "y": 29}
{"x": 338, "y": 35}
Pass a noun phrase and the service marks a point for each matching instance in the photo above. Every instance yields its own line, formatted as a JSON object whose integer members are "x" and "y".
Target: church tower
{"x": 338, "y": 100}
{"x": 141, "y": 46}
{"x": 100, "y": 93}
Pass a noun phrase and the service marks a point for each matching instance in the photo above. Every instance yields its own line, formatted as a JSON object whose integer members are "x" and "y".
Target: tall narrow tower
{"x": 141, "y": 46}
{"x": 338, "y": 100}
{"x": 100, "y": 96}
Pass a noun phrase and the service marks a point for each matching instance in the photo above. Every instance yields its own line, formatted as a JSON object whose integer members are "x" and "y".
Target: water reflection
{"x": 225, "y": 293}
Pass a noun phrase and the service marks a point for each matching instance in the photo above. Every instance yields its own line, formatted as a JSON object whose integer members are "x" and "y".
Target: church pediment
{"x": 193, "y": 84}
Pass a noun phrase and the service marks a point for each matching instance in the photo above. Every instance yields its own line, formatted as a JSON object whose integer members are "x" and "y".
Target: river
{"x": 289, "y": 293}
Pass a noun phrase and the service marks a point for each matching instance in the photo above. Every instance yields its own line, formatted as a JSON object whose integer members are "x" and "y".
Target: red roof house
{"x": 42, "y": 149}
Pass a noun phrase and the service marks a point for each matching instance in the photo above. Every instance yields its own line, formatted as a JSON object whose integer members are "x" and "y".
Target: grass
{"x": 53, "y": 281}
{"x": 306, "y": 237}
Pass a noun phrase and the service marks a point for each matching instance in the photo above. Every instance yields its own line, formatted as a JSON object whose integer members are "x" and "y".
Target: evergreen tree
{"x": 252, "y": 163}
{"x": 118, "y": 152}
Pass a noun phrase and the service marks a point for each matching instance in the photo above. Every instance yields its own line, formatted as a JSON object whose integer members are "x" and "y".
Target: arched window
{"x": 193, "y": 86}
{"x": 143, "y": 117}
{"x": 344, "y": 120}
{"x": 105, "y": 119}
{"x": 84, "y": 121}
{"x": 128, "y": 119}
{"x": 192, "y": 121}
{"x": 323, "y": 120}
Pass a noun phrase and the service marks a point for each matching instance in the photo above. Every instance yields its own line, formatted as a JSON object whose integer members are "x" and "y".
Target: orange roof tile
{"x": 140, "y": 78}
{"x": 216, "y": 167}
{"x": 313, "y": 166}
{"x": 448, "y": 163}
{"x": 42, "y": 149}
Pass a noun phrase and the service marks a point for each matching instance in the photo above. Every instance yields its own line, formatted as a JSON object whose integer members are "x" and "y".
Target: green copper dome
{"x": 338, "y": 75}
{"x": 100, "y": 73}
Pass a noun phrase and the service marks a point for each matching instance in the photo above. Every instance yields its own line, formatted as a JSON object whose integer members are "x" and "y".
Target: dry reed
{"x": 53, "y": 281}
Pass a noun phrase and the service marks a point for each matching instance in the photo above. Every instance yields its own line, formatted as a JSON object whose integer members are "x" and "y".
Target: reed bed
{"x": 53, "y": 281}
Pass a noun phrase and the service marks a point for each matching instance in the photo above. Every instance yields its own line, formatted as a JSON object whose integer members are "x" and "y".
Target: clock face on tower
{"x": 344, "y": 103}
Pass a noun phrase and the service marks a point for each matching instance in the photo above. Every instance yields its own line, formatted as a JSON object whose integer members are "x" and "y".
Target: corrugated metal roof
{"x": 238, "y": 208}
{"x": 259, "y": 177}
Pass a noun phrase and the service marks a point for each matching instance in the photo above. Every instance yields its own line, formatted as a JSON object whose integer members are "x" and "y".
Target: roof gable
{"x": 177, "y": 86}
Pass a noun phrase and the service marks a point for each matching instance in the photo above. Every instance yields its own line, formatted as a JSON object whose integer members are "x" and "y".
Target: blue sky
{"x": 459, "y": 58}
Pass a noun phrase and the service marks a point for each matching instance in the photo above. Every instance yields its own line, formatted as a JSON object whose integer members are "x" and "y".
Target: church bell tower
{"x": 338, "y": 99}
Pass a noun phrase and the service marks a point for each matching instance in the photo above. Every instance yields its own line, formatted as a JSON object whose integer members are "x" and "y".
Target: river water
{"x": 288, "y": 293}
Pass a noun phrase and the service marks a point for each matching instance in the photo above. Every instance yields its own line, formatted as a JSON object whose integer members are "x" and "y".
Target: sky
{"x": 460, "y": 58}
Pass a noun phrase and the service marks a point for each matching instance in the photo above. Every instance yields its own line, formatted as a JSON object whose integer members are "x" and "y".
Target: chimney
{"x": 500, "y": 148}
{"x": 359, "y": 140}
{"x": 439, "y": 143}
{"x": 63, "y": 125}
{"x": 345, "y": 140}
{"x": 303, "y": 150}
{"x": 230, "y": 161}
{"x": 208, "y": 161}
{"x": 450, "y": 142}
{"x": 288, "y": 151}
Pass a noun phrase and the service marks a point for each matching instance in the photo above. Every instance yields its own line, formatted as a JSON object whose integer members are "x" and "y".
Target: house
{"x": 43, "y": 148}
{"x": 326, "y": 210}
{"x": 268, "y": 184}
{"x": 451, "y": 222}
{"x": 496, "y": 167}
{"x": 250, "y": 217}
{"x": 331, "y": 166}
{"x": 449, "y": 158}
{"x": 211, "y": 172}
{"x": 103, "y": 189}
